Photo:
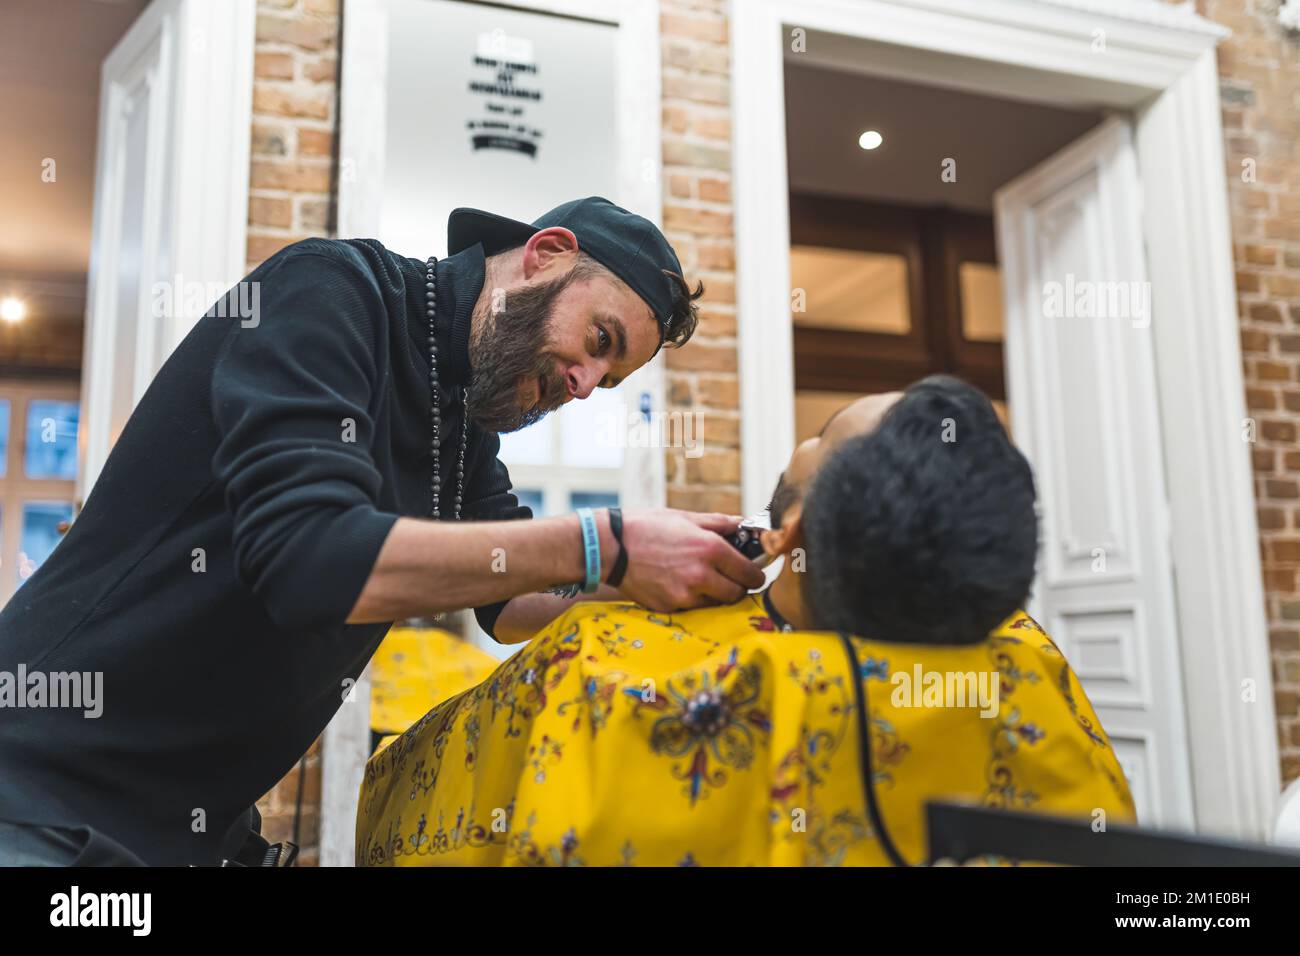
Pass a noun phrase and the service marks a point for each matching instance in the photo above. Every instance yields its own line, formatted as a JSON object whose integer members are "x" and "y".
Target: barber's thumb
{"x": 714, "y": 521}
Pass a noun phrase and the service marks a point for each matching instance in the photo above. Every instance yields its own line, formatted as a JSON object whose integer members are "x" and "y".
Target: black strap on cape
{"x": 864, "y": 753}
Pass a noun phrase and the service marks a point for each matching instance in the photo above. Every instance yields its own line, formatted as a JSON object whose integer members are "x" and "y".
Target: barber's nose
{"x": 582, "y": 381}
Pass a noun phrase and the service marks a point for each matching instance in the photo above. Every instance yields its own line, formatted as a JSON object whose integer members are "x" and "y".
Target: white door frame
{"x": 1159, "y": 63}
{"x": 196, "y": 59}
{"x": 362, "y": 116}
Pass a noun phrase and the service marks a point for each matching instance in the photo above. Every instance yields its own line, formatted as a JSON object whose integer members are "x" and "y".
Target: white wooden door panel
{"x": 1081, "y": 382}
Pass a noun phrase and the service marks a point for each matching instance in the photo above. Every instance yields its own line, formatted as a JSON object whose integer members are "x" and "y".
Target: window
{"x": 43, "y": 525}
{"x": 814, "y": 408}
{"x": 592, "y": 499}
{"x": 530, "y": 498}
{"x": 51, "y": 449}
{"x": 981, "y": 302}
{"x": 850, "y": 289}
{"x": 890, "y": 294}
{"x": 572, "y": 458}
{"x": 38, "y": 469}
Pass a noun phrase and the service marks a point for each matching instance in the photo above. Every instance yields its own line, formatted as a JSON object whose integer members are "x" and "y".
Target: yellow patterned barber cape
{"x": 621, "y": 736}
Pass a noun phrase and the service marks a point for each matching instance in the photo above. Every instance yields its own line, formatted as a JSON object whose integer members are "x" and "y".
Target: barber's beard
{"x": 508, "y": 353}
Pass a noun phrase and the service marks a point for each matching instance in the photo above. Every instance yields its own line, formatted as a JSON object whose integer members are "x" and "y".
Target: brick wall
{"x": 1259, "y": 71}
{"x": 295, "y": 110}
{"x": 698, "y": 221}
{"x": 292, "y": 173}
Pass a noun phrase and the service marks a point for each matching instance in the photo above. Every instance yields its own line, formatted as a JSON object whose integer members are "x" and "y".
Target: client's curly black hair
{"x": 923, "y": 530}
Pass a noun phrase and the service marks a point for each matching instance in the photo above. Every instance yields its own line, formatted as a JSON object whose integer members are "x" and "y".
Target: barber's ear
{"x": 548, "y": 249}
{"x": 786, "y": 538}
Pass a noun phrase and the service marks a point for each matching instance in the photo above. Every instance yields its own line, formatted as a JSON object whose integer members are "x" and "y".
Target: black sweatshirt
{"x": 229, "y": 535}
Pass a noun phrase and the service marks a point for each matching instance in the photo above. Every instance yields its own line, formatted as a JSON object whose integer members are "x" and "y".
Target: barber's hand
{"x": 679, "y": 559}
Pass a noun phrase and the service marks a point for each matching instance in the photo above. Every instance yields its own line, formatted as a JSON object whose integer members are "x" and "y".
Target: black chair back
{"x": 962, "y": 832}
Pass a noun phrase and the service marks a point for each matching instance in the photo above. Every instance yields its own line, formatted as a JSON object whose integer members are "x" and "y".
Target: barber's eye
{"x": 603, "y": 341}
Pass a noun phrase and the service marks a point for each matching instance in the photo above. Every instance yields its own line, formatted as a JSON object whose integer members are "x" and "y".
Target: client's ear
{"x": 783, "y": 540}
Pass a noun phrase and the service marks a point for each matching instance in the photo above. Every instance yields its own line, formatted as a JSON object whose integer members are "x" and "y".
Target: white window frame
{"x": 558, "y": 482}
{"x": 1159, "y": 63}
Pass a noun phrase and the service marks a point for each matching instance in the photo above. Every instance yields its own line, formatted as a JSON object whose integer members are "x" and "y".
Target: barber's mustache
{"x": 554, "y": 389}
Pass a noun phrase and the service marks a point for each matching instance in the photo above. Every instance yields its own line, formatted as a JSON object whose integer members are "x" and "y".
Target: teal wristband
{"x": 590, "y": 549}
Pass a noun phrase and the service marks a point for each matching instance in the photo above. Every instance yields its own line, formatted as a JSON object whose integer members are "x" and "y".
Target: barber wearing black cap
{"x": 266, "y": 512}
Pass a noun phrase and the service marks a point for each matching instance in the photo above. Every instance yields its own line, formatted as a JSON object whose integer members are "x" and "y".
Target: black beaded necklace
{"x": 431, "y": 309}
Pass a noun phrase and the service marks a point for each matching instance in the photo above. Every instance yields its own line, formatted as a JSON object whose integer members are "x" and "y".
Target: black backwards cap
{"x": 628, "y": 245}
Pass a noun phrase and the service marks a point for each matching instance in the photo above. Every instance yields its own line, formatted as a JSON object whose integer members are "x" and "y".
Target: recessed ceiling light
{"x": 870, "y": 139}
{"x": 13, "y": 310}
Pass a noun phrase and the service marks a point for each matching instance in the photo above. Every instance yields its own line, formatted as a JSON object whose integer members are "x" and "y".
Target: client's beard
{"x": 508, "y": 349}
{"x": 785, "y": 495}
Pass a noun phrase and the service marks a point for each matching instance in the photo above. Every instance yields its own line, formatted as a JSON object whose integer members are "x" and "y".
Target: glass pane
{"x": 531, "y": 497}
{"x": 40, "y": 533}
{"x": 51, "y": 439}
{"x": 593, "y": 499}
{"x": 849, "y": 289}
{"x": 4, "y": 435}
{"x": 1004, "y": 413}
{"x": 529, "y": 446}
{"x": 981, "y": 302}
{"x": 593, "y": 432}
{"x": 812, "y": 410}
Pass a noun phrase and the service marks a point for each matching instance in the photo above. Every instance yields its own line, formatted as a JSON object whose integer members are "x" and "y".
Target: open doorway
{"x": 1133, "y": 426}
{"x": 893, "y": 253}
{"x": 900, "y": 276}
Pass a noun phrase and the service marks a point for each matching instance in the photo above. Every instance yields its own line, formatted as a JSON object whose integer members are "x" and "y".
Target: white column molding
{"x": 1215, "y": 538}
